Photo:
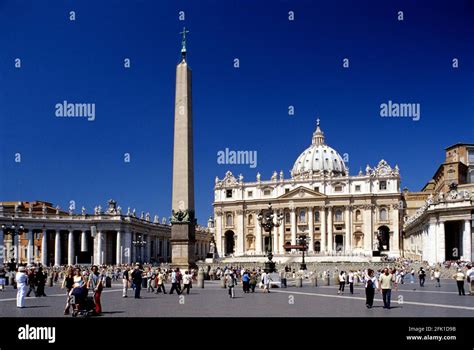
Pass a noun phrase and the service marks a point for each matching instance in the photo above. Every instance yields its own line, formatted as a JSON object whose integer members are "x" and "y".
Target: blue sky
{"x": 282, "y": 63}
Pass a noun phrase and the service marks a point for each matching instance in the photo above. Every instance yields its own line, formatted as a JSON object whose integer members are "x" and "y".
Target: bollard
{"x": 223, "y": 282}
{"x": 283, "y": 282}
{"x": 200, "y": 279}
{"x": 299, "y": 282}
{"x": 328, "y": 281}
{"x": 314, "y": 281}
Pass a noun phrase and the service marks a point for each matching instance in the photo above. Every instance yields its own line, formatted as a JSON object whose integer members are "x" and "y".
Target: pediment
{"x": 302, "y": 193}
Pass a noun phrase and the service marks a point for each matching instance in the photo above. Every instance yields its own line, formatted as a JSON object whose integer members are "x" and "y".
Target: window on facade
{"x": 338, "y": 188}
{"x": 383, "y": 185}
{"x": 383, "y": 214}
{"x": 266, "y": 192}
{"x": 357, "y": 188}
{"x": 228, "y": 193}
{"x": 316, "y": 189}
{"x": 229, "y": 220}
{"x": 250, "y": 219}
{"x": 302, "y": 216}
{"x": 471, "y": 177}
{"x": 287, "y": 218}
{"x": 287, "y": 190}
{"x": 358, "y": 216}
{"x": 470, "y": 156}
{"x": 250, "y": 194}
{"x": 338, "y": 215}
{"x": 316, "y": 216}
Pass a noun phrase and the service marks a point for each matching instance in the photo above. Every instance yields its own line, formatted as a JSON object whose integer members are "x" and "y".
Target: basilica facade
{"x": 334, "y": 212}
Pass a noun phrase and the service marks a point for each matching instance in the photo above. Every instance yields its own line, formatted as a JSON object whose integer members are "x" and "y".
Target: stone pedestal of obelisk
{"x": 183, "y": 222}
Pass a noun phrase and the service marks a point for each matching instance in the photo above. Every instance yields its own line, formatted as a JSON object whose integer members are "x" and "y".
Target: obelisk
{"x": 183, "y": 220}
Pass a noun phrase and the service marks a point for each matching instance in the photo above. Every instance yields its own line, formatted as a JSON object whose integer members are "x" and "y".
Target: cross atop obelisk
{"x": 183, "y": 43}
{"x": 183, "y": 220}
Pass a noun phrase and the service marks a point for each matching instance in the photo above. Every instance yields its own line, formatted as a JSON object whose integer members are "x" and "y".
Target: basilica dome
{"x": 318, "y": 159}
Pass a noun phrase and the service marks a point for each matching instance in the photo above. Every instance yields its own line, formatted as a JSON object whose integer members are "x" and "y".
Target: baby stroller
{"x": 82, "y": 305}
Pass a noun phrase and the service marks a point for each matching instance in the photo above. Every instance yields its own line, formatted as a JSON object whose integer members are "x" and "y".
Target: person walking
{"x": 266, "y": 282}
{"x": 245, "y": 282}
{"x": 437, "y": 277}
{"x": 422, "y": 276}
{"x": 470, "y": 278}
{"x": 40, "y": 282}
{"x": 385, "y": 285}
{"x": 31, "y": 282}
{"x": 253, "y": 281}
{"x": 137, "y": 280}
{"x": 67, "y": 284}
{"x": 96, "y": 284}
{"x": 21, "y": 285}
{"x": 150, "y": 276}
{"x": 230, "y": 281}
{"x": 3, "y": 278}
{"x": 370, "y": 286}
{"x": 160, "y": 282}
{"x": 187, "y": 279}
{"x": 342, "y": 282}
{"x": 174, "y": 282}
{"x": 460, "y": 277}
{"x": 351, "y": 281}
{"x": 125, "y": 281}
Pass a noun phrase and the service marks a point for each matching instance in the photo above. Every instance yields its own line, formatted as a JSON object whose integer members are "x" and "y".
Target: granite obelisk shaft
{"x": 183, "y": 219}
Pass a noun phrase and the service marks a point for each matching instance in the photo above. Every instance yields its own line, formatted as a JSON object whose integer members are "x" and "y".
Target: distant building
{"x": 438, "y": 219}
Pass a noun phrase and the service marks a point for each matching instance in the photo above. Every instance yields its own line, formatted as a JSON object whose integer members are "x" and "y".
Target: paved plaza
{"x": 213, "y": 301}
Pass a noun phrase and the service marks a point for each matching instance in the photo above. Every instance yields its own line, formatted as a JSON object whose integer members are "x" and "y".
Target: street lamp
{"x": 139, "y": 242}
{"x": 13, "y": 230}
{"x": 302, "y": 242}
{"x": 266, "y": 220}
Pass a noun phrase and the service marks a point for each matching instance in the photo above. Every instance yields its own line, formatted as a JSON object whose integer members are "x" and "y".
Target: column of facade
{"x": 127, "y": 248}
{"x": 258, "y": 238}
{"x": 310, "y": 229}
{"x": 57, "y": 248}
{"x": 70, "y": 248}
{"x": 275, "y": 240}
{"x": 441, "y": 246}
{"x": 84, "y": 246}
{"x": 281, "y": 241}
{"x": 2, "y": 247}
{"x": 44, "y": 248}
{"x": 16, "y": 251}
{"x": 148, "y": 248}
{"x": 100, "y": 248}
{"x": 348, "y": 224}
{"x": 395, "y": 247}
{"x": 293, "y": 226}
{"x": 368, "y": 247}
{"x": 467, "y": 241}
{"x": 218, "y": 231}
{"x": 119, "y": 247}
{"x": 240, "y": 232}
{"x": 330, "y": 235}
{"x": 322, "y": 229}
{"x": 29, "y": 250}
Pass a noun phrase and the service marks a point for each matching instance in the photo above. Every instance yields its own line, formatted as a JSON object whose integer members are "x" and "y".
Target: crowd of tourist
{"x": 83, "y": 285}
